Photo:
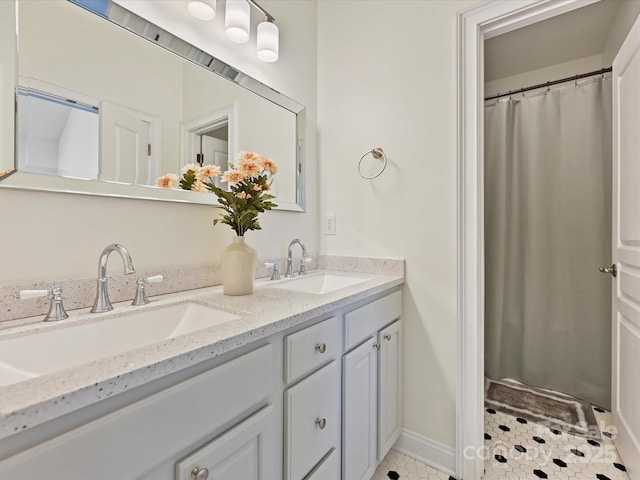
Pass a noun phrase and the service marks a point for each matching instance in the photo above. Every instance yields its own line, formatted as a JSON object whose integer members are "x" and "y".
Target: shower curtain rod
{"x": 548, "y": 84}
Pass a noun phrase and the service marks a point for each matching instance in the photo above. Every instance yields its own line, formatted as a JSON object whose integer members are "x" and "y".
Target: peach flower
{"x": 208, "y": 171}
{"x": 265, "y": 187}
{"x": 243, "y": 195}
{"x": 244, "y": 155}
{"x": 169, "y": 180}
{"x": 190, "y": 166}
{"x": 268, "y": 164}
{"x": 232, "y": 176}
{"x": 198, "y": 186}
{"x": 250, "y": 167}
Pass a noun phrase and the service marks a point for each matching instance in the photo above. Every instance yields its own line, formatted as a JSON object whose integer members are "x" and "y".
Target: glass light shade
{"x": 202, "y": 9}
{"x": 268, "y": 42}
{"x": 237, "y": 20}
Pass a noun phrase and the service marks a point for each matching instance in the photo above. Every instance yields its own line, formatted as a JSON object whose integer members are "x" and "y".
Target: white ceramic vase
{"x": 238, "y": 267}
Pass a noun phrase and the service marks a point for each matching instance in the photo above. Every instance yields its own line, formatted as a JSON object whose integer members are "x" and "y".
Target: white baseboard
{"x": 427, "y": 451}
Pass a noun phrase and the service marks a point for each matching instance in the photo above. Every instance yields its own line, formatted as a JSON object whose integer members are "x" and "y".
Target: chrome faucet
{"x": 102, "y": 303}
{"x": 302, "y": 271}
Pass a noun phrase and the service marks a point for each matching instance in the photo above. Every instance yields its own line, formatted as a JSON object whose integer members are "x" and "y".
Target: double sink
{"x": 52, "y": 350}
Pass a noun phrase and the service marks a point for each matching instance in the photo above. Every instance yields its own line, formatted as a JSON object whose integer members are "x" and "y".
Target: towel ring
{"x": 376, "y": 153}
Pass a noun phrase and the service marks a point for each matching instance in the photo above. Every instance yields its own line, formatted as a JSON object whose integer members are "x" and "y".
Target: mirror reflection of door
{"x": 207, "y": 140}
{"x": 126, "y": 146}
{"x": 213, "y": 148}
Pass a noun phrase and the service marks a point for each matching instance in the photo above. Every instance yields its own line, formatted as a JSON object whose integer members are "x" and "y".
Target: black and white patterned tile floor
{"x": 515, "y": 449}
{"x": 518, "y": 449}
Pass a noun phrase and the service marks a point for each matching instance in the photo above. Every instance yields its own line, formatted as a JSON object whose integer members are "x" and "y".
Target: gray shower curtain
{"x": 547, "y": 230}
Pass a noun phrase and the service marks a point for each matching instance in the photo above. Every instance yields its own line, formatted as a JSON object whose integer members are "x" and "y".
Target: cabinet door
{"x": 359, "y": 418}
{"x": 389, "y": 388}
{"x": 246, "y": 452}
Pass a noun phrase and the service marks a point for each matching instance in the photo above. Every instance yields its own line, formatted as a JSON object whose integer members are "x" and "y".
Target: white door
{"x": 125, "y": 139}
{"x": 359, "y": 391}
{"x": 626, "y": 250}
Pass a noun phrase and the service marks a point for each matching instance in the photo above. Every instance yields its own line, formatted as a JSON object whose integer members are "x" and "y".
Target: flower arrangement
{"x": 249, "y": 181}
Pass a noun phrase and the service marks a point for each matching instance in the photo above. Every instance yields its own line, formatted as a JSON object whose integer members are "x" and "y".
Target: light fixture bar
{"x": 270, "y": 17}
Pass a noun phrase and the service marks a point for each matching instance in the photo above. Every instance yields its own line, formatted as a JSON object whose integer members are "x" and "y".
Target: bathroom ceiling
{"x": 577, "y": 34}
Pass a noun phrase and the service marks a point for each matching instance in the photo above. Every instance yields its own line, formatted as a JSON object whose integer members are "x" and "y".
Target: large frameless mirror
{"x": 107, "y": 102}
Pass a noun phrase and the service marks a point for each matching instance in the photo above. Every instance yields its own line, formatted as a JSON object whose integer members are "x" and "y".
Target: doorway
{"x": 476, "y": 25}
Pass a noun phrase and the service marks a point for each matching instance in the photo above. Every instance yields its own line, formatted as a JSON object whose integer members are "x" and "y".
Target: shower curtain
{"x": 547, "y": 230}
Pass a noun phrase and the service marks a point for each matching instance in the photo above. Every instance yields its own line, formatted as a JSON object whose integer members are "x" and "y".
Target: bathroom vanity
{"x": 301, "y": 386}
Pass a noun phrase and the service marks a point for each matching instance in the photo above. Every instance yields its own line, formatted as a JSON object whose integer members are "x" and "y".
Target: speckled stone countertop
{"x": 267, "y": 311}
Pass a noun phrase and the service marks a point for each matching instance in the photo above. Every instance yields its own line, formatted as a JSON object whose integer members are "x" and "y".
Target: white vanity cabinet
{"x": 371, "y": 385}
{"x": 317, "y": 401}
{"x": 130, "y": 442}
{"x": 312, "y": 405}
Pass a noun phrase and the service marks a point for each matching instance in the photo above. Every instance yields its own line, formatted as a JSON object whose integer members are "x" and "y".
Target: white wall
{"x": 627, "y": 14}
{"x": 387, "y": 78}
{"x": 50, "y": 236}
{"x": 77, "y": 148}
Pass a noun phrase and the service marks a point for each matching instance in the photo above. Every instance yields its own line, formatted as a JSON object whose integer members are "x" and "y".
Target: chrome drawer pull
{"x": 199, "y": 473}
{"x": 321, "y": 422}
{"x": 321, "y": 347}
{"x": 387, "y": 338}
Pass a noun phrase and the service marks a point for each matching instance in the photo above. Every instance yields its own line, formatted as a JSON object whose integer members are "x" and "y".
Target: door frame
{"x": 475, "y": 25}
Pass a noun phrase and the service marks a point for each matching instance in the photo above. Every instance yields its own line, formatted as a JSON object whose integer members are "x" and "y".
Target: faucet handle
{"x": 303, "y": 265}
{"x": 26, "y": 294}
{"x": 275, "y": 274}
{"x": 56, "y": 309}
{"x": 141, "y": 295}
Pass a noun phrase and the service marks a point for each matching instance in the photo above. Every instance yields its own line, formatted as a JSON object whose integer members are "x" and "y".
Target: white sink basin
{"x": 320, "y": 283}
{"x": 33, "y": 355}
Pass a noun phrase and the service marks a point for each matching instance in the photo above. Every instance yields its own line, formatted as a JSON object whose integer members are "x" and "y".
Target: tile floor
{"x": 519, "y": 450}
{"x": 396, "y": 466}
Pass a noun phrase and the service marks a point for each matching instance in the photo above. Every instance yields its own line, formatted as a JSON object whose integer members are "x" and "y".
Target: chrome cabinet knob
{"x": 199, "y": 473}
{"x": 321, "y": 422}
{"x": 387, "y": 338}
{"x": 613, "y": 270}
{"x": 376, "y": 346}
{"x": 321, "y": 347}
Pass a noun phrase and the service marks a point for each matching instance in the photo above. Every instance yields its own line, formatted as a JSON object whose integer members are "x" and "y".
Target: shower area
{"x": 547, "y": 232}
{"x": 547, "y": 218}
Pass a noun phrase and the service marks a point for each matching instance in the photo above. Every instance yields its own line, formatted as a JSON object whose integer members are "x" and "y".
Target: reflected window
{"x": 57, "y": 136}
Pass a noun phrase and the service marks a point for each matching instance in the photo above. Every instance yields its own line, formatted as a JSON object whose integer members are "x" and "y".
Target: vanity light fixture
{"x": 237, "y": 24}
{"x": 202, "y": 9}
{"x": 268, "y": 41}
{"x": 237, "y": 20}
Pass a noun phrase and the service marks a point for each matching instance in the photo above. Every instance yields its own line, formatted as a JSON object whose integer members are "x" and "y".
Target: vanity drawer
{"x": 312, "y": 420}
{"x": 364, "y": 321}
{"x": 329, "y": 468}
{"x": 307, "y": 349}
